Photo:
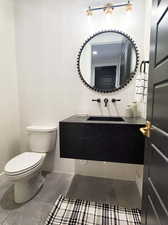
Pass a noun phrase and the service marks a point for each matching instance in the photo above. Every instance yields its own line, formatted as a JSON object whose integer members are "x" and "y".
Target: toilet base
{"x": 25, "y": 189}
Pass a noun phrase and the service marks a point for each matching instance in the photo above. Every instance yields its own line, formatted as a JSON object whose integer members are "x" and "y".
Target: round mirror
{"x": 107, "y": 61}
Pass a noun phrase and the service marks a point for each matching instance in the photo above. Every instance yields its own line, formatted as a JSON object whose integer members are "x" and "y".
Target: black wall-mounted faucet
{"x": 105, "y": 102}
{"x": 98, "y": 100}
{"x": 115, "y": 100}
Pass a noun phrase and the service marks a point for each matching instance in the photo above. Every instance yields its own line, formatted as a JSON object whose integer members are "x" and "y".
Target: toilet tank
{"x": 41, "y": 138}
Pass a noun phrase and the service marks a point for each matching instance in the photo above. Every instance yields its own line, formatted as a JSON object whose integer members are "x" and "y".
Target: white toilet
{"x": 24, "y": 170}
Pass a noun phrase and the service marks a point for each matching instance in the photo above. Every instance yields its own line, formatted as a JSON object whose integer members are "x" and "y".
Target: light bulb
{"x": 129, "y": 6}
{"x": 108, "y": 9}
{"x": 89, "y": 12}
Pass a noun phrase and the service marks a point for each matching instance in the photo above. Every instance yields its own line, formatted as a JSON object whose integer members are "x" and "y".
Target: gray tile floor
{"x": 35, "y": 211}
{"x": 118, "y": 192}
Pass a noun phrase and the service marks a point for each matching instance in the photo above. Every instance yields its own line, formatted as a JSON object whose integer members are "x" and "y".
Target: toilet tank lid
{"x": 41, "y": 128}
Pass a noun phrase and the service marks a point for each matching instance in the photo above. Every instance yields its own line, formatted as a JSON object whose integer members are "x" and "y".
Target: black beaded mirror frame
{"x": 131, "y": 74}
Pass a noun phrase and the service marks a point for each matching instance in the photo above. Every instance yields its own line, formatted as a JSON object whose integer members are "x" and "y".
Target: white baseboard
{"x": 59, "y": 171}
{"x": 139, "y": 186}
{"x": 139, "y": 178}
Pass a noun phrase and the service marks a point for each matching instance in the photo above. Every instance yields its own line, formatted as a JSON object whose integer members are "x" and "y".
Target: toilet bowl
{"x": 24, "y": 170}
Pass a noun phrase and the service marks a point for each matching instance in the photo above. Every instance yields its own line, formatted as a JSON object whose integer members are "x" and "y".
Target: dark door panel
{"x": 160, "y": 139}
{"x": 161, "y": 52}
{"x": 152, "y": 216}
{"x": 159, "y": 165}
{"x": 105, "y": 77}
{"x": 160, "y": 109}
{"x": 156, "y": 212}
{"x": 155, "y": 187}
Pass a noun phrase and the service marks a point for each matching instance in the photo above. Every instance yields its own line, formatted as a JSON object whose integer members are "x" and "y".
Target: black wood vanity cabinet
{"x": 102, "y": 140}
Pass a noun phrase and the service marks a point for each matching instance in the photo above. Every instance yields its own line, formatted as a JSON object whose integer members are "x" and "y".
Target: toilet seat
{"x": 23, "y": 163}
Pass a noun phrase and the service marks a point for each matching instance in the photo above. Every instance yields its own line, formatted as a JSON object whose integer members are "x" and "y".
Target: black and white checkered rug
{"x": 80, "y": 212}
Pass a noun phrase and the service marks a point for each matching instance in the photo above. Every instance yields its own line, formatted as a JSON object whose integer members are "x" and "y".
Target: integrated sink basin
{"x": 105, "y": 118}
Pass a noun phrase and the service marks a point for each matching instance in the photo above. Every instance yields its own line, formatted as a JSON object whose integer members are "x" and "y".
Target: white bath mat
{"x": 80, "y": 212}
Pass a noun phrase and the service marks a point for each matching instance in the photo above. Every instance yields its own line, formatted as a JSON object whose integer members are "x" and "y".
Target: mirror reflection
{"x": 108, "y": 61}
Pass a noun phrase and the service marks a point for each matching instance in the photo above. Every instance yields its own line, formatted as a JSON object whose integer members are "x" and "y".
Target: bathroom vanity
{"x": 111, "y": 139}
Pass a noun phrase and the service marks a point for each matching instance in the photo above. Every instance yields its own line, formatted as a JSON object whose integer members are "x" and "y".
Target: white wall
{"x": 9, "y": 115}
{"x": 49, "y": 35}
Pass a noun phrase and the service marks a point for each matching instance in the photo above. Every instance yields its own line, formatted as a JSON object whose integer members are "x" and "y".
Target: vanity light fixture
{"x": 108, "y": 8}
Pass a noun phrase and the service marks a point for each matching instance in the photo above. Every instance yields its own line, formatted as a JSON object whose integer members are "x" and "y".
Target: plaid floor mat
{"x": 80, "y": 212}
